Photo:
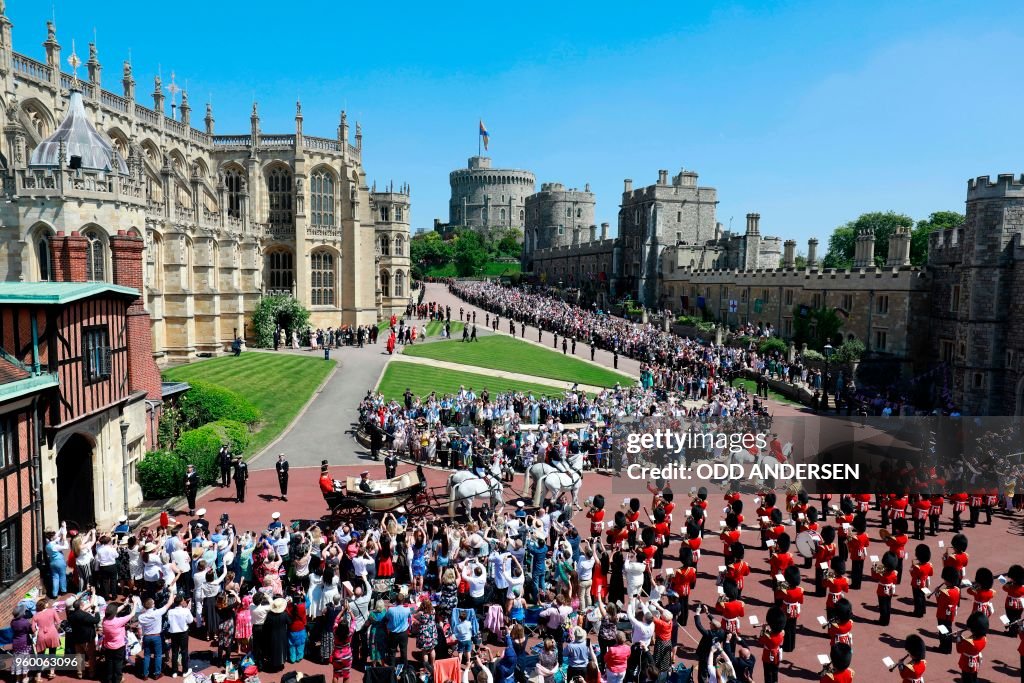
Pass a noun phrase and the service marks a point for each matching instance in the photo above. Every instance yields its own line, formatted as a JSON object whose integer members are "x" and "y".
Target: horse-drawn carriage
{"x": 408, "y": 490}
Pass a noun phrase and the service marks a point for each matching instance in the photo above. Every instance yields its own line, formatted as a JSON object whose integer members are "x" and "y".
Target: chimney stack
{"x": 593, "y": 233}
{"x": 899, "y": 248}
{"x": 604, "y": 231}
{"x": 69, "y": 256}
{"x": 627, "y": 185}
{"x": 812, "y": 252}
{"x": 789, "y": 254}
{"x": 865, "y": 250}
{"x": 753, "y": 224}
{"x": 663, "y": 177}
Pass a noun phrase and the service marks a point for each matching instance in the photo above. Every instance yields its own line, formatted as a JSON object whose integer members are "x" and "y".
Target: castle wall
{"x": 557, "y": 217}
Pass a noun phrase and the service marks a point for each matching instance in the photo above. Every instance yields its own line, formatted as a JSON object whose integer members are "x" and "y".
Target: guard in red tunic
{"x": 981, "y": 591}
{"x": 975, "y": 501}
{"x": 913, "y": 665}
{"x": 662, "y": 530}
{"x": 956, "y": 556}
{"x": 683, "y": 580}
{"x": 764, "y": 510}
{"x": 731, "y": 607}
{"x": 693, "y": 541}
{"x": 1014, "y": 606}
{"x": 836, "y": 584}
{"x": 730, "y": 535}
{"x": 739, "y": 570}
{"x": 959, "y": 501}
{"x": 790, "y": 597}
{"x": 840, "y": 623}
{"x": 633, "y": 519}
{"x": 619, "y": 531}
{"x": 971, "y": 647}
{"x": 884, "y": 573}
{"x": 823, "y": 555}
{"x": 897, "y": 543}
{"x": 921, "y": 577}
{"x": 839, "y": 670}
{"x": 920, "y": 507}
{"x": 947, "y": 601}
{"x": 858, "y": 543}
{"x": 937, "y": 501}
{"x": 770, "y": 640}
{"x": 844, "y": 522}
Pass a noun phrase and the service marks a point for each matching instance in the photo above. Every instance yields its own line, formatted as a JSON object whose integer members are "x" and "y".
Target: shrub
{"x": 849, "y": 351}
{"x": 233, "y": 432}
{"x": 206, "y": 402}
{"x": 169, "y": 427}
{"x": 160, "y": 474}
{"x": 707, "y": 326}
{"x": 812, "y": 355}
{"x": 772, "y": 345}
{"x": 200, "y": 447}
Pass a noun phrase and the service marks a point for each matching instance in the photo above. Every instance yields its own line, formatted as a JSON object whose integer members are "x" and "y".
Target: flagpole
{"x": 479, "y": 137}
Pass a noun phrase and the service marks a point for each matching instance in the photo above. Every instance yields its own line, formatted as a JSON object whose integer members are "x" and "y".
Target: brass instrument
{"x": 899, "y": 663}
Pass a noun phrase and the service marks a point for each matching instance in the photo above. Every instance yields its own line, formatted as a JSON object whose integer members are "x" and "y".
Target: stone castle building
{"x": 557, "y": 217}
{"x": 489, "y": 198}
{"x": 390, "y": 209}
{"x": 225, "y": 218}
{"x": 676, "y": 217}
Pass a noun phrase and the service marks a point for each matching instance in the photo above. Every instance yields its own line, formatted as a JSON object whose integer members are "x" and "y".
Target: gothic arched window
{"x": 399, "y": 283}
{"x": 322, "y": 285}
{"x": 399, "y": 245}
{"x": 281, "y": 270}
{"x": 233, "y": 183}
{"x": 385, "y": 284}
{"x": 95, "y": 257}
{"x": 43, "y": 253}
{"x": 279, "y": 192}
{"x": 321, "y": 188}
{"x": 385, "y": 245}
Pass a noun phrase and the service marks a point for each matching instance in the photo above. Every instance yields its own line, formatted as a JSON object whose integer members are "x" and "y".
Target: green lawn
{"x": 498, "y": 352}
{"x": 490, "y": 269}
{"x": 434, "y": 328}
{"x": 260, "y": 377}
{"x": 422, "y": 379}
{"x": 751, "y": 386}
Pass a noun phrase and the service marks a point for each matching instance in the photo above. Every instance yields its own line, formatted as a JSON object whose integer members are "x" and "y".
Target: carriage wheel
{"x": 349, "y": 509}
{"x": 422, "y": 511}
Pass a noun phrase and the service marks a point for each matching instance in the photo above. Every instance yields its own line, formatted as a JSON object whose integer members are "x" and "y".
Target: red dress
{"x": 599, "y": 587}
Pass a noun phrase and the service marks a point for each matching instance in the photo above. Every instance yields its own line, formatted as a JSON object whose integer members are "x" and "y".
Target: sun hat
{"x": 276, "y": 515}
{"x": 200, "y": 512}
{"x": 278, "y": 605}
{"x": 150, "y": 547}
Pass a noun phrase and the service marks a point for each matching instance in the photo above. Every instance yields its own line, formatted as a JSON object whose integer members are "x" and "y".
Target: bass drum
{"x": 807, "y": 544}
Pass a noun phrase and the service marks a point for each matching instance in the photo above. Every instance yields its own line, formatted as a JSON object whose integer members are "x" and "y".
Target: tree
{"x": 274, "y": 312}
{"x": 470, "y": 253}
{"x": 818, "y": 327}
{"x": 510, "y": 244}
{"x": 842, "y": 244}
{"x": 939, "y": 220}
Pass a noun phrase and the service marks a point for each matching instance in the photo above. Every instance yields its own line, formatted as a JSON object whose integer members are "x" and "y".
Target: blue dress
{"x": 419, "y": 563}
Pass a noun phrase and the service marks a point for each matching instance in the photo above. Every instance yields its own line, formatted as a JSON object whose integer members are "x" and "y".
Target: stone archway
{"x": 75, "y": 482}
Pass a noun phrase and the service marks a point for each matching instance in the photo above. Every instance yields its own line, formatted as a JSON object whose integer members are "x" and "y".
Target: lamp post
{"x": 124, "y": 463}
{"x": 824, "y": 394}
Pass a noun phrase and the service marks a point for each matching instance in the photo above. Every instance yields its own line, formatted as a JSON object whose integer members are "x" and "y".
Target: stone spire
{"x": 186, "y": 110}
{"x": 298, "y": 118}
{"x": 158, "y": 94}
{"x": 359, "y": 136}
{"x": 95, "y": 69}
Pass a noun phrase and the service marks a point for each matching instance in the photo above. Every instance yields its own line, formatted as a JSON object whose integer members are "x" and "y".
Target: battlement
{"x": 577, "y": 250}
{"x": 800, "y": 276}
{"x": 1005, "y": 185}
{"x": 552, "y": 187}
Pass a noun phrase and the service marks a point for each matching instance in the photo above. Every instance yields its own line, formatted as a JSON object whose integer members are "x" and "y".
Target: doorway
{"x": 75, "y": 483}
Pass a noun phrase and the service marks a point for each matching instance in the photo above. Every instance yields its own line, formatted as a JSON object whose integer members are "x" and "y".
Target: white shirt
{"x": 476, "y": 583}
{"x": 585, "y": 567}
{"x": 634, "y": 576}
{"x": 361, "y": 565}
{"x": 107, "y": 555}
{"x": 642, "y": 632}
{"x": 178, "y": 619}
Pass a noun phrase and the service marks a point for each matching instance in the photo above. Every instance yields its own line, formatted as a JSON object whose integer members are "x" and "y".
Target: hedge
{"x": 205, "y": 403}
{"x": 201, "y": 447}
{"x": 160, "y": 475}
{"x": 769, "y": 346}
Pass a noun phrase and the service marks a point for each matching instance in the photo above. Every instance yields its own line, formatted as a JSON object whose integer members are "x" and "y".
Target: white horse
{"x": 763, "y": 458}
{"x": 541, "y": 469}
{"x": 459, "y": 476}
{"x": 464, "y": 493}
{"x": 556, "y": 481}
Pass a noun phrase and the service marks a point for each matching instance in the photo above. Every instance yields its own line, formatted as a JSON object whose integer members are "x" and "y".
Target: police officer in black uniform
{"x": 390, "y": 465}
{"x": 191, "y": 487}
{"x": 282, "y": 475}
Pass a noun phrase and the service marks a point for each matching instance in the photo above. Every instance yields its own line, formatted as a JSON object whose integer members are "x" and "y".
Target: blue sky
{"x": 807, "y": 112}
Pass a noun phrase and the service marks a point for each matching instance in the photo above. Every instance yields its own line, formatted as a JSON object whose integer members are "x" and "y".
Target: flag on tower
{"x": 484, "y": 135}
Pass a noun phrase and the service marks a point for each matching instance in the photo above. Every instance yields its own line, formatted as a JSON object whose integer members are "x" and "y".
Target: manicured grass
{"x": 423, "y": 379}
{"x": 490, "y": 269}
{"x": 751, "y": 386}
{"x": 434, "y": 328}
{"x": 279, "y": 384}
{"x": 498, "y": 352}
